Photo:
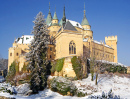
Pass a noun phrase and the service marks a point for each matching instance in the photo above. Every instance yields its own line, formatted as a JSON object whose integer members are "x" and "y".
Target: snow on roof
{"x": 74, "y": 23}
{"x": 85, "y": 39}
{"x": 25, "y": 39}
{"x": 101, "y": 43}
{"x": 97, "y": 42}
{"x": 113, "y": 63}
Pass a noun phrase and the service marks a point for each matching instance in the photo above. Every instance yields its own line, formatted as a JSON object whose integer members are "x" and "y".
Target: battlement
{"x": 111, "y": 38}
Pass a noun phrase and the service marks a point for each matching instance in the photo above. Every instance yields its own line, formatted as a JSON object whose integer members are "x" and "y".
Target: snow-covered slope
{"x": 120, "y": 86}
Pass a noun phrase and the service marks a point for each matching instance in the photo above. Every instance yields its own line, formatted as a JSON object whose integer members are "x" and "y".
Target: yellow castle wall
{"x": 112, "y": 41}
{"x": 100, "y": 52}
{"x": 62, "y": 44}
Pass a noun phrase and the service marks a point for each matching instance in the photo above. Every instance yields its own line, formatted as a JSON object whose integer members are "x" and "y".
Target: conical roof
{"x": 55, "y": 16}
{"x": 49, "y": 17}
{"x": 84, "y": 21}
{"x": 63, "y": 20}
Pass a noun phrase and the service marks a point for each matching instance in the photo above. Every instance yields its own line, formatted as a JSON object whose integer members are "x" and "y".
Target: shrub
{"x": 77, "y": 66}
{"x": 24, "y": 69}
{"x": 119, "y": 69}
{"x": 53, "y": 68}
{"x": 12, "y": 72}
{"x": 63, "y": 86}
{"x": 81, "y": 94}
{"x": 108, "y": 95}
{"x": 59, "y": 64}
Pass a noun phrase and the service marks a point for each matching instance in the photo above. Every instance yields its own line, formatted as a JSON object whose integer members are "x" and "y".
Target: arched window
{"x": 72, "y": 48}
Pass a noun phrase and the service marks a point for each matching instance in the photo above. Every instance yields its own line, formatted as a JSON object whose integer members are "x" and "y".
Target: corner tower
{"x": 112, "y": 42}
{"x": 87, "y": 28}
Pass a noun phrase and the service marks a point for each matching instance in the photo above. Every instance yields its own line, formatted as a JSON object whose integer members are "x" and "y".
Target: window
{"x": 50, "y": 56}
{"x": 72, "y": 48}
{"x": 50, "y": 48}
{"x": 17, "y": 54}
{"x": 10, "y": 54}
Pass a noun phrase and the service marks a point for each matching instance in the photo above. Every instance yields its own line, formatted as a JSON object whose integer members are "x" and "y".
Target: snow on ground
{"x": 120, "y": 86}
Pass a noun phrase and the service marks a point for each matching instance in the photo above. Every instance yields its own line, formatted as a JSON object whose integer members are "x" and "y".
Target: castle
{"x": 67, "y": 38}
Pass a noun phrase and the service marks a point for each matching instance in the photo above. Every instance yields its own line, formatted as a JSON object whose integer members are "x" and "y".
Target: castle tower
{"x": 55, "y": 20}
{"x": 49, "y": 17}
{"x": 63, "y": 20}
{"x": 112, "y": 42}
{"x": 87, "y": 28}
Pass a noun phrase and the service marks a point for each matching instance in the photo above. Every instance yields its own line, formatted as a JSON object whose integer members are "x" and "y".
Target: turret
{"x": 112, "y": 42}
{"x": 85, "y": 23}
{"x": 87, "y": 28}
{"x": 49, "y": 17}
{"x": 55, "y": 20}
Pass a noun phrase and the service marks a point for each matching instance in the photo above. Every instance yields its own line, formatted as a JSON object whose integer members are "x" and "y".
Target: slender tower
{"x": 49, "y": 17}
{"x": 87, "y": 28}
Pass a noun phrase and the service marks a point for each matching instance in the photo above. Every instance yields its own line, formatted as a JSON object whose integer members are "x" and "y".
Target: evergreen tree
{"x": 37, "y": 54}
{"x": 12, "y": 72}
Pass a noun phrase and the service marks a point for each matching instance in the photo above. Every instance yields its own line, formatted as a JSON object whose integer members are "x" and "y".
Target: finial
{"x": 55, "y": 8}
{"x": 64, "y": 11}
{"x": 84, "y": 5}
{"x": 49, "y": 6}
{"x": 84, "y": 9}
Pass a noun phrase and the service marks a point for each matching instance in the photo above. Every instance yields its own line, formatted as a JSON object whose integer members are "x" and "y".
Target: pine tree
{"x": 37, "y": 54}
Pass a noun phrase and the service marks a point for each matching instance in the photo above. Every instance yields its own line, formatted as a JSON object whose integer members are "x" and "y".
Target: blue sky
{"x": 106, "y": 17}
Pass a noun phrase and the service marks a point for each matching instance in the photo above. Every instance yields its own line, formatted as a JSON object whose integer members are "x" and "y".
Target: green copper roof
{"x": 49, "y": 17}
{"x": 60, "y": 23}
{"x": 55, "y": 16}
{"x": 63, "y": 20}
{"x": 84, "y": 21}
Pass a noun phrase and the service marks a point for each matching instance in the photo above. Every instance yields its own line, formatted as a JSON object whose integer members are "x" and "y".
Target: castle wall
{"x": 99, "y": 51}
{"x": 13, "y": 55}
{"x": 62, "y": 44}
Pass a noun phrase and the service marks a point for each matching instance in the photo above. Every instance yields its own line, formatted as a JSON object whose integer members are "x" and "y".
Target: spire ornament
{"x": 84, "y": 21}
{"x": 49, "y": 7}
{"x": 84, "y": 10}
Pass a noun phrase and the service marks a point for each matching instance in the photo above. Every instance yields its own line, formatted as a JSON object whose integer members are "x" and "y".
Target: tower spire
{"x": 84, "y": 21}
{"x": 64, "y": 17}
{"x": 49, "y": 7}
{"x": 55, "y": 15}
{"x": 49, "y": 17}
